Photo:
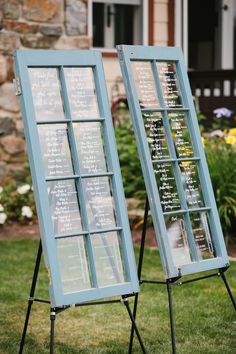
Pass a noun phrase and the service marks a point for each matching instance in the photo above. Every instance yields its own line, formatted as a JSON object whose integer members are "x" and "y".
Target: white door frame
{"x": 181, "y": 27}
{"x": 227, "y": 34}
{"x": 226, "y": 29}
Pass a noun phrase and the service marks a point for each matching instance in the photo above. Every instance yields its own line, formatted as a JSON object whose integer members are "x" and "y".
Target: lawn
{"x": 204, "y": 316}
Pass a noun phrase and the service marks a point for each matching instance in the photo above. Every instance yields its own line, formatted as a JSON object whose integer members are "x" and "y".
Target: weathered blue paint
{"x": 60, "y": 59}
{"x": 172, "y": 54}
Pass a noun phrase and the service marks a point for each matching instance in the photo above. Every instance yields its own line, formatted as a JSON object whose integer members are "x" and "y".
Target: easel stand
{"x": 56, "y": 310}
{"x": 169, "y": 284}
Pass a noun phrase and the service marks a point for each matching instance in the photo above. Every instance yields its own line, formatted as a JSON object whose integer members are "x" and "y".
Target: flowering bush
{"x": 220, "y": 149}
{"x": 17, "y": 202}
{"x": 221, "y": 158}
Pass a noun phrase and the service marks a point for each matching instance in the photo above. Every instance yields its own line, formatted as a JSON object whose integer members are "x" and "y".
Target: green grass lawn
{"x": 204, "y": 317}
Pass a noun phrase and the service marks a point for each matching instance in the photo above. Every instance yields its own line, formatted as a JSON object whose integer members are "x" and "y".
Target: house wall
{"x": 48, "y": 24}
{"x": 31, "y": 24}
{"x": 160, "y": 37}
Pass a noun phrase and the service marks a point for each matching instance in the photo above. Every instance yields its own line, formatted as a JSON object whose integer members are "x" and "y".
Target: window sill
{"x": 106, "y": 53}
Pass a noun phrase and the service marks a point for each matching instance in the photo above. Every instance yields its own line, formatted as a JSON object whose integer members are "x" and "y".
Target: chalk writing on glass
{"x": 90, "y": 147}
{"x": 99, "y": 203}
{"x": 145, "y": 84}
{"x": 55, "y": 149}
{"x": 167, "y": 187}
{"x": 191, "y": 184}
{"x": 170, "y": 84}
{"x": 81, "y": 93}
{"x": 180, "y": 134}
{"x": 65, "y": 213}
{"x": 156, "y": 136}
{"x": 46, "y": 93}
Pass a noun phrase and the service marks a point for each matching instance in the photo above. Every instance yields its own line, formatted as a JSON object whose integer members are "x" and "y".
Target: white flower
{"x": 1, "y": 189}
{"x": 3, "y": 218}
{"x": 1, "y": 207}
{"x": 23, "y": 189}
{"x": 26, "y": 211}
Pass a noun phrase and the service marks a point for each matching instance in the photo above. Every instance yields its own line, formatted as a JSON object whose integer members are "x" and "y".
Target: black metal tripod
{"x": 56, "y": 310}
{"x": 169, "y": 284}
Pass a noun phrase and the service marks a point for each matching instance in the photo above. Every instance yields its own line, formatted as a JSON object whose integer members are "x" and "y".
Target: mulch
{"x": 16, "y": 231}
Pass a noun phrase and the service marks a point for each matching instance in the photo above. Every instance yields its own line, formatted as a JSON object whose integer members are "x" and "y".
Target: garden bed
{"x": 16, "y": 231}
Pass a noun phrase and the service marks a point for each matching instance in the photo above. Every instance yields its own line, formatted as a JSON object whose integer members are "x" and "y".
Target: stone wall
{"x": 31, "y": 24}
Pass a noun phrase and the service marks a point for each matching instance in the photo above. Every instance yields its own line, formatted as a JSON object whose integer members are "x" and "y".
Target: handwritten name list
{"x": 64, "y": 205}
{"x": 81, "y": 93}
{"x": 46, "y": 93}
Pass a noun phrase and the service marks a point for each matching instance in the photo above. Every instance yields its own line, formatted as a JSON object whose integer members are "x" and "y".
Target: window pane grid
{"x": 85, "y": 182}
{"x": 175, "y": 160}
{"x": 184, "y": 211}
{"x": 66, "y": 120}
{"x": 89, "y": 232}
{"x": 78, "y": 180}
{"x": 175, "y": 165}
{"x": 107, "y": 174}
{"x": 64, "y": 136}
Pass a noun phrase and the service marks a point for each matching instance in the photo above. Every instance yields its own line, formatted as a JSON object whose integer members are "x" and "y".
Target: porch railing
{"x": 214, "y": 89}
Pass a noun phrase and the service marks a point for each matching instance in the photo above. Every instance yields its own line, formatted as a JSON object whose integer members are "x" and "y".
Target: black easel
{"x": 169, "y": 283}
{"x": 55, "y": 310}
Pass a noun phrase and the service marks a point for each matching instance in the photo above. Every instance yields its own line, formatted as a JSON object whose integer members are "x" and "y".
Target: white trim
{"x": 181, "y": 26}
{"x": 90, "y": 19}
{"x": 145, "y": 22}
{"x": 177, "y": 29}
{"x": 185, "y": 31}
{"x": 227, "y": 34}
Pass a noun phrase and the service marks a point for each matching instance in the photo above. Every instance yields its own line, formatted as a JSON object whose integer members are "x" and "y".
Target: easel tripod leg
{"x": 30, "y": 301}
{"x": 223, "y": 276}
{"x": 169, "y": 289}
{"x": 52, "y": 331}
{"x": 132, "y": 327}
{"x": 126, "y": 302}
{"x": 140, "y": 263}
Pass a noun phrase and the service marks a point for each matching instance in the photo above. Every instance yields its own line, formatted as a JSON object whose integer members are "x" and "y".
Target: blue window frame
{"x": 178, "y": 184}
{"x": 76, "y": 175}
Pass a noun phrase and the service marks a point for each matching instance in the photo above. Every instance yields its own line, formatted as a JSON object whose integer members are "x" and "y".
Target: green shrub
{"x": 221, "y": 158}
{"x": 130, "y": 165}
{"x": 17, "y": 199}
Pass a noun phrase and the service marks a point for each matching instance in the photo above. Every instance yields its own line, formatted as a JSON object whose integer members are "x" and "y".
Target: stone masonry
{"x": 31, "y": 24}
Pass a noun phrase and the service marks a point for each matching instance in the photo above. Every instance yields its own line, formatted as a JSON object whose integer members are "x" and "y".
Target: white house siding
{"x": 161, "y": 22}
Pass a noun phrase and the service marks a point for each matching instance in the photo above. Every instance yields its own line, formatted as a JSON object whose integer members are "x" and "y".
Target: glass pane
{"x": 81, "y": 93}
{"x": 167, "y": 187}
{"x": 98, "y": 24}
{"x": 202, "y": 235}
{"x": 181, "y": 135}
{"x": 107, "y": 259}
{"x": 191, "y": 184}
{"x": 178, "y": 241}
{"x": 156, "y": 136}
{"x": 170, "y": 85}
{"x": 63, "y": 200}
{"x": 99, "y": 203}
{"x": 46, "y": 92}
{"x": 55, "y": 149}
{"x": 73, "y": 264}
{"x": 145, "y": 84}
{"x": 90, "y": 147}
